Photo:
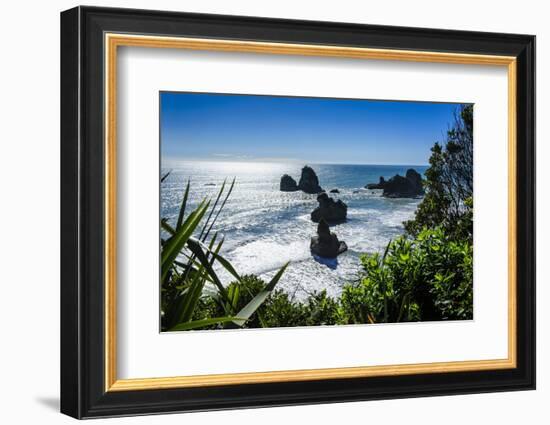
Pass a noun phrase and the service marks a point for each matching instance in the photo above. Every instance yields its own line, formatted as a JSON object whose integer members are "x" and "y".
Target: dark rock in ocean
{"x": 379, "y": 185}
{"x": 330, "y": 210}
{"x": 409, "y": 186}
{"x": 326, "y": 243}
{"x": 334, "y": 191}
{"x": 309, "y": 183}
{"x": 416, "y": 180}
{"x": 288, "y": 184}
{"x": 398, "y": 186}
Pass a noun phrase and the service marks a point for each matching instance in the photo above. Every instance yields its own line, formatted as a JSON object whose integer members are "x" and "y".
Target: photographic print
{"x": 323, "y": 185}
{"x": 281, "y": 211}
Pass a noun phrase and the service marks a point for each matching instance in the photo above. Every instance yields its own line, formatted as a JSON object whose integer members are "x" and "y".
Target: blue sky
{"x": 203, "y": 126}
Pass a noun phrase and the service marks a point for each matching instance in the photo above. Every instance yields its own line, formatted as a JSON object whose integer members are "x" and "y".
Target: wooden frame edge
{"x": 114, "y": 40}
{"x": 512, "y": 212}
{"x": 110, "y": 212}
{"x": 306, "y": 375}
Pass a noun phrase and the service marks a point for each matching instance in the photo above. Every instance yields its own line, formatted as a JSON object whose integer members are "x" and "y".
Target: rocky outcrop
{"x": 398, "y": 186}
{"x": 309, "y": 183}
{"x": 379, "y": 185}
{"x": 334, "y": 191}
{"x": 326, "y": 243}
{"x": 330, "y": 210}
{"x": 416, "y": 181}
{"x": 288, "y": 184}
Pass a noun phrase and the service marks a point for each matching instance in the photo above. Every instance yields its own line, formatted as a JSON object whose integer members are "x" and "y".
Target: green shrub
{"x": 278, "y": 310}
{"x": 449, "y": 183}
{"x": 421, "y": 279}
{"x": 426, "y": 278}
{"x": 240, "y": 294}
{"x": 281, "y": 311}
{"x": 322, "y": 310}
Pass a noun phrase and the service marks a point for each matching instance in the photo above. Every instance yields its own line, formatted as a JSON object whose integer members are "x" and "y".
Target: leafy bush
{"x": 426, "y": 278}
{"x": 449, "y": 183}
{"x": 241, "y": 293}
{"x": 322, "y": 310}
{"x": 428, "y": 274}
{"x": 278, "y": 310}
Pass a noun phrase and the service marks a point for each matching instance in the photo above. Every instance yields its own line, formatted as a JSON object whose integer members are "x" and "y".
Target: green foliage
{"x": 278, "y": 310}
{"x": 433, "y": 209}
{"x": 282, "y": 311}
{"x": 322, "y": 310}
{"x": 428, "y": 278}
{"x": 317, "y": 310}
{"x": 449, "y": 183}
{"x": 250, "y": 308}
{"x": 432, "y": 271}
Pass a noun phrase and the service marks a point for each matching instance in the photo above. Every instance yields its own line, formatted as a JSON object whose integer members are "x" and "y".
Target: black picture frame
{"x": 83, "y": 392}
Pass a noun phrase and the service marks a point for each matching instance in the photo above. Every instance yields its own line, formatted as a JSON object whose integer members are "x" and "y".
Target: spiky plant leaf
{"x": 195, "y": 324}
{"x": 258, "y": 300}
{"x": 176, "y": 243}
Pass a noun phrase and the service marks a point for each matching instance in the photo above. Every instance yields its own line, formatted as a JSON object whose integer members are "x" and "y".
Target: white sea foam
{"x": 263, "y": 256}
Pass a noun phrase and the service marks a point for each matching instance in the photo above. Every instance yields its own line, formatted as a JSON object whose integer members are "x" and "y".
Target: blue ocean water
{"x": 264, "y": 227}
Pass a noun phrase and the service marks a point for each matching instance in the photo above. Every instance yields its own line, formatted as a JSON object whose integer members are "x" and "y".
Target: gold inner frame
{"x": 113, "y": 41}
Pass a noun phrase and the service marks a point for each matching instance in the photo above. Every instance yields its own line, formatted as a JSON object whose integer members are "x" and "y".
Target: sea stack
{"x": 379, "y": 185}
{"x": 309, "y": 183}
{"x": 398, "y": 186}
{"x": 329, "y": 210}
{"x": 415, "y": 179}
{"x": 326, "y": 243}
{"x": 288, "y": 184}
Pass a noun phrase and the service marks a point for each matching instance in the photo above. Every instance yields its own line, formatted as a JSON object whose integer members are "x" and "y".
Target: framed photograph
{"x": 261, "y": 212}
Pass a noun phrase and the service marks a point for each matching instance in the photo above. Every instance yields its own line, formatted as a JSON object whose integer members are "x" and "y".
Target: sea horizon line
{"x": 284, "y": 161}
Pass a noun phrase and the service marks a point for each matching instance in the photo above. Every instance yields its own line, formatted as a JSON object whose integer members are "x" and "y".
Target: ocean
{"x": 264, "y": 227}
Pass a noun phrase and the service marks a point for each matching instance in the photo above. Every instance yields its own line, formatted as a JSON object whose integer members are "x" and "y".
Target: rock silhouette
{"x": 379, "y": 185}
{"x": 326, "y": 243}
{"x": 330, "y": 210}
{"x": 416, "y": 180}
{"x": 288, "y": 184}
{"x": 309, "y": 183}
{"x": 398, "y": 186}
